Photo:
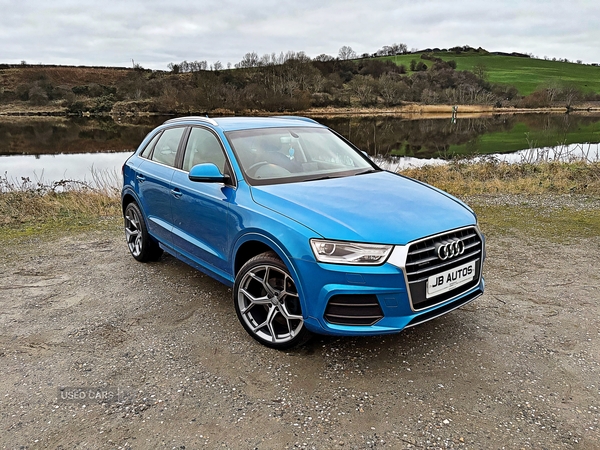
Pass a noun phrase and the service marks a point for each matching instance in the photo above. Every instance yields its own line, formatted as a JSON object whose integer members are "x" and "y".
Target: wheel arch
{"x": 253, "y": 244}
{"x": 247, "y": 251}
{"x": 129, "y": 196}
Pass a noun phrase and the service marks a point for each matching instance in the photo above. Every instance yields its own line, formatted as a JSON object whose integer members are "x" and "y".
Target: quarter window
{"x": 165, "y": 150}
{"x": 148, "y": 150}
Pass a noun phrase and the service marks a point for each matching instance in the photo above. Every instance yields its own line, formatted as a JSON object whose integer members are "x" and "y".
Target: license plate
{"x": 450, "y": 279}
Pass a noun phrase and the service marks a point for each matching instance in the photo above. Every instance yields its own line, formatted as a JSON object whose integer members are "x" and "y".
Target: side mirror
{"x": 207, "y": 173}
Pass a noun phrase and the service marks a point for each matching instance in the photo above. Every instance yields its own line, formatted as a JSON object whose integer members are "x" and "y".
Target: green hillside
{"x": 526, "y": 74}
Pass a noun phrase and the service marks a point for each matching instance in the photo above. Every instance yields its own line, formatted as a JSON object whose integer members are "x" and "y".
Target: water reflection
{"x": 52, "y": 136}
{"x": 441, "y": 138}
{"x": 571, "y": 152}
{"x": 79, "y": 145}
{"x": 51, "y": 168}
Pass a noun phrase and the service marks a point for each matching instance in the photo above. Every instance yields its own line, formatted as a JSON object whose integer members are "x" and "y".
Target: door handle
{"x": 176, "y": 193}
{"x": 141, "y": 178}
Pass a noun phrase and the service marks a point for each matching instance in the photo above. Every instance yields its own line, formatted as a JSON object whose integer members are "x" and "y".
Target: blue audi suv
{"x": 310, "y": 233}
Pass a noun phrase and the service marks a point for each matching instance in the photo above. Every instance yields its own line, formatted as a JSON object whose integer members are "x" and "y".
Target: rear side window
{"x": 149, "y": 147}
{"x": 165, "y": 149}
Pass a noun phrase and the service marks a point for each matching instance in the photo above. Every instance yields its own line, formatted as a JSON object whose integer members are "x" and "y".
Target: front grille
{"x": 353, "y": 310}
{"x": 422, "y": 262}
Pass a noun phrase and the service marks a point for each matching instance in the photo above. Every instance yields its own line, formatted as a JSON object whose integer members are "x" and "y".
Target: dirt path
{"x": 518, "y": 368}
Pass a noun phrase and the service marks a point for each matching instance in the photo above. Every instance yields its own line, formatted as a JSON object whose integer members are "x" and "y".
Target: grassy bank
{"x": 463, "y": 178}
{"x": 21, "y": 109}
{"x": 33, "y": 209}
{"x": 555, "y": 218}
{"x": 558, "y": 201}
{"x": 29, "y": 208}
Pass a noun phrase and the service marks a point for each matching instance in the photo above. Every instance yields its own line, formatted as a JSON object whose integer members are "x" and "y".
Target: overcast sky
{"x": 154, "y": 33}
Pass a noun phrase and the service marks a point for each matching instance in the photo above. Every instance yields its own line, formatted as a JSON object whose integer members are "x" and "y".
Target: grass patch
{"x": 527, "y": 199}
{"x": 34, "y": 208}
{"x": 462, "y": 177}
{"x": 561, "y": 224}
{"x": 526, "y": 74}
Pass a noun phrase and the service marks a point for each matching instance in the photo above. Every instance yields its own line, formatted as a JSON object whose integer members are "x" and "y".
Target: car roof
{"x": 246, "y": 123}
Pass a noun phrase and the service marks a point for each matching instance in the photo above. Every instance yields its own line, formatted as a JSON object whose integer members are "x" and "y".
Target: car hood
{"x": 380, "y": 207}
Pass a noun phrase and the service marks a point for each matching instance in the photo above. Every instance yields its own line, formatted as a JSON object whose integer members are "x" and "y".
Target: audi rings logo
{"x": 449, "y": 249}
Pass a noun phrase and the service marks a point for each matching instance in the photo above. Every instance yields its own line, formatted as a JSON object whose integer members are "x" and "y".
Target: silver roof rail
{"x": 193, "y": 118}
{"x": 305, "y": 119}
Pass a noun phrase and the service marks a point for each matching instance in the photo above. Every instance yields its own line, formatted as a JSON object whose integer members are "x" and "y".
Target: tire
{"x": 140, "y": 243}
{"x": 267, "y": 303}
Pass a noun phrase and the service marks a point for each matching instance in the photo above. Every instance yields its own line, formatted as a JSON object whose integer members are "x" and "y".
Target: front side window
{"x": 165, "y": 149}
{"x": 203, "y": 147}
{"x": 276, "y": 155}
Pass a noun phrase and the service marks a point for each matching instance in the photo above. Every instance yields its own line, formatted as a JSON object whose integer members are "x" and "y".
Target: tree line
{"x": 289, "y": 81}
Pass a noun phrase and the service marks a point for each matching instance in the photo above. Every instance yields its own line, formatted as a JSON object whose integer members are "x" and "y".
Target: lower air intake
{"x": 354, "y": 310}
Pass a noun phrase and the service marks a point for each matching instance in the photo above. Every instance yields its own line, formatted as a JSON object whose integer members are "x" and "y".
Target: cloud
{"x": 154, "y": 33}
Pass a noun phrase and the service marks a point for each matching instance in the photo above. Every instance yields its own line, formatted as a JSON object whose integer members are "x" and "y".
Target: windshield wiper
{"x": 324, "y": 177}
{"x": 328, "y": 177}
{"x": 366, "y": 171}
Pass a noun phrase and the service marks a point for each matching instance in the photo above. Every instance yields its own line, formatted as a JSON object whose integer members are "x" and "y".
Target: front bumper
{"x": 386, "y": 283}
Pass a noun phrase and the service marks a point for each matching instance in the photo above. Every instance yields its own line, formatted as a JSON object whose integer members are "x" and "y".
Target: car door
{"x": 201, "y": 209}
{"x": 153, "y": 177}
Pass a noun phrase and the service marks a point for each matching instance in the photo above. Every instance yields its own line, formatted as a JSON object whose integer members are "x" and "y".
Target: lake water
{"x": 51, "y": 149}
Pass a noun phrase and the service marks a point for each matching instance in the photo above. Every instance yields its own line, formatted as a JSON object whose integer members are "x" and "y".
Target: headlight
{"x": 337, "y": 252}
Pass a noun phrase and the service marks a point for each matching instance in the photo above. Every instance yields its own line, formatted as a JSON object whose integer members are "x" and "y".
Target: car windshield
{"x": 279, "y": 155}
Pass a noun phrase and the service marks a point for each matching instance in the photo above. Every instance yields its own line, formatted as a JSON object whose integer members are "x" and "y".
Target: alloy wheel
{"x": 269, "y": 305}
{"x": 133, "y": 232}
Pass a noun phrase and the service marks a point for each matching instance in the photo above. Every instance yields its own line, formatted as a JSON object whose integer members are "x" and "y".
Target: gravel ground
{"x": 517, "y": 368}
